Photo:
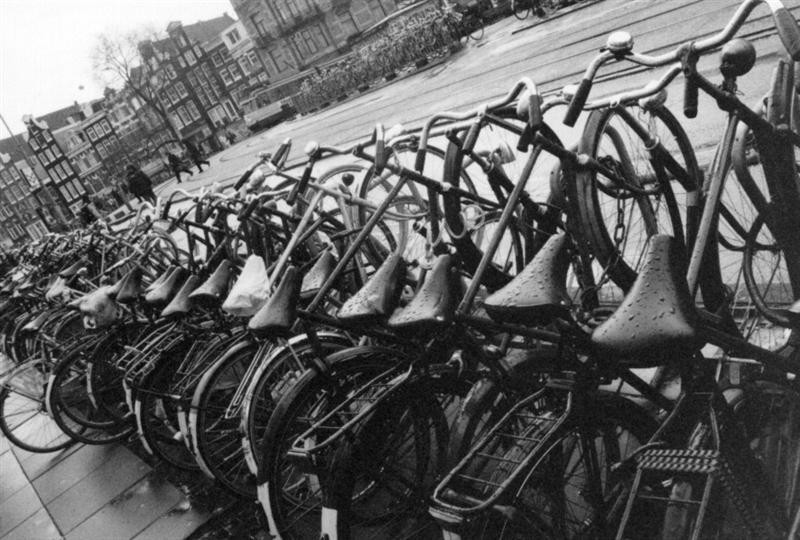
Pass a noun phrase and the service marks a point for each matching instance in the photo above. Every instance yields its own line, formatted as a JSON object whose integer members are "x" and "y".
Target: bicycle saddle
{"x": 435, "y": 302}
{"x": 379, "y": 296}
{"x": 319, "y": 273}
{"x": 129, "y": 288}
{"x": 72, "y": 270}
{"x": 161, "y": 295}
{"x": 276, "y": 317}
{"x": 539, "y": 292}
{"x": 181, "y": 304}
{"x": 160, "y": 279}
{"x": 657, "y": 318}
{"x": 212, "y": 292}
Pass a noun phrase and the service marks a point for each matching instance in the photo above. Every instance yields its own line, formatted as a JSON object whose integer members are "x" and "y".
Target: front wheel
{"x": 521, "y": 9}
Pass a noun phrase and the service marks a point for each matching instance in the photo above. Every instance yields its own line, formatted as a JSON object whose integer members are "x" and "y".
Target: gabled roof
{"x": 205, "y": 31}
{"x": 58, "y": 119}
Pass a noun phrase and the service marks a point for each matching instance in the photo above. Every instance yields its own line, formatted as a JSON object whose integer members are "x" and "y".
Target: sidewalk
{"x": 91, "y": 492}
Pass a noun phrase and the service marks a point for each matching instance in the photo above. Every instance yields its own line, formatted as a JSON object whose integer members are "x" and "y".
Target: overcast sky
{"x": 45, "y": 46}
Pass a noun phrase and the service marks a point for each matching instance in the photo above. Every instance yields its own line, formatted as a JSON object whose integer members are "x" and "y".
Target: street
{"x": 553, "y": 54}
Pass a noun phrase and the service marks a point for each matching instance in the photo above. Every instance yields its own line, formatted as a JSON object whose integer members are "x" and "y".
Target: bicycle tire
{"x": 27, "y": 404}
{"x": 375, "y": 489}
{"x": 618, "y": 422}
{"x": 291, "y": 499}
{"x": 496, "y": 141}
{"x": 274, "y": 377}
{"x": 521, "y": 9}
{"x": 602, "y": 140}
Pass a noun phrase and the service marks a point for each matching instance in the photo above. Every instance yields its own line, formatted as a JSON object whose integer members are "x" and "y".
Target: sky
{"x": 45, "y": 46}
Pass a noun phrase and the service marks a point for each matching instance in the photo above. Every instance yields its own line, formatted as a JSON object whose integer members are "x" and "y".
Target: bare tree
{"x": 118, "y": 62}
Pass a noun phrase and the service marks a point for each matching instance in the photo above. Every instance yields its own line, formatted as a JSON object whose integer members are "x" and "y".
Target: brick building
{"x": 293, "y": 35}
{"x": 192, "y": 90}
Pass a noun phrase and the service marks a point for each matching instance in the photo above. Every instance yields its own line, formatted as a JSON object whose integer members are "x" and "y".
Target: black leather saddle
{"x": 161, "y": 295}
{"x": 317, "y": 275}
{"x": 212, "y": 292}
{"x": 277, "y": 316}
{"x": 129, "y": 288}
{"x": 379, "y": 296}
{"x": 434, "y": 304}
{"x": 538, "y": 294}
{"x": 160, "y": 279}
{"x": 181, "y": 304}
{"x": 72, "y": 270}
{"x": 657, "y": 319}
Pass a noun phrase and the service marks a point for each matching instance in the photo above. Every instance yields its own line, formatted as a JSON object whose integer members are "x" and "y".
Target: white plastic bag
{"x": 250, "y": 291}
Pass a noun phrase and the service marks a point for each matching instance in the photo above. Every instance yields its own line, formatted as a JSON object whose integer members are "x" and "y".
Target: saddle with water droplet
{"x": 656, "y": 321}
{"x": 319, "y": 273}
{"x": 276, "y": 317}
{"x": 538, "y": 294}
{"x": 434, "y": 304}
{"x": 379, "y": 296}
{"x": 212, "y": 292}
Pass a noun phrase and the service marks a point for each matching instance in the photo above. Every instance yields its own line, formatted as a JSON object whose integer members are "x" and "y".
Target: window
{"x": 181, "y": 62}
{"x": 17, "y": 192}
{"x": 184, "y": 115}
{"x": 192, "y": 108}
{"x": 216, "y": 58}
{"x": 172, "y": 95}
{"x": 14, "y": 173}
{"x": 170, "y": 71}
{"x": 5, "y": 178}
{"x": 261, "y": 29}
{"x": 226, "y": 77}
{"x": 106, "y": 127}
{"x": 182, "y": 40}
{"x": 311, "y": 44}
{"x": 234, "y": 36}
{"x": 101, "y": 149}
{"x": 91, "y": 133}
{"x": 33, "y": 144}
{"x": 191, "y": 58}
{"x": 235, "y": 73}
{"x": 78, "y": 186}
{"x": 198, "y": 51}
{"x": 226, "y": 56}
{"x": 47, "y": 136}
{"x": 179, "y": 86}
{"x": 48, "y": 154}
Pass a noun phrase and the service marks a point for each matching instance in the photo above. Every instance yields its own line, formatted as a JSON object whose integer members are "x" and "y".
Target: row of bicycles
{"x": 402, "y": 339}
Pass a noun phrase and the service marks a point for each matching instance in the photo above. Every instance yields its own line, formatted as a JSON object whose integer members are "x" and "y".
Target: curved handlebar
{"x": 786, "y": 25}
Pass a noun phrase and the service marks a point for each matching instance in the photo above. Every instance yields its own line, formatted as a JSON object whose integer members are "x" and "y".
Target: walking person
{"x": 195, "y": 154}
{"x": 140, "y": 185}
{"x": 88, "y": 213}
{"x": 177, "y": 166}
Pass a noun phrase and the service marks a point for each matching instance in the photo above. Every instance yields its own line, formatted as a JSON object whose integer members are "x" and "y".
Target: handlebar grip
{"x": 299, "y": 186}
{"x": 788, "y": 31}
{"x": 244, "y": 178}
{"x": 578, "y": 101}
{"x": 279, "y": 158}
{"x": 470, "y": 138}
{"x": 380, "y": 150}
{"x": 419, "y": 161}
{"x": 690, "y": 96}
{"x": 167, "y": 206}
{"x": 245, "y": 212}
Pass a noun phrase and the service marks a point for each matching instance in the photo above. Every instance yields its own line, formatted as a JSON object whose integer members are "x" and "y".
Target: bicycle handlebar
{"x": 786, "y": 25}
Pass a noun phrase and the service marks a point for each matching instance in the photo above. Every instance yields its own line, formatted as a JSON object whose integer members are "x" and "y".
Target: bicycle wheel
{"x": 493, "y": 166}
{"x": 274, "y": 377}
{"x": 24, "y": 418}
{"x": 292, "y": 497}
{"x": 571, "y": 493}
{"x": 381, "y": 477}
{"x": 75, "y": 409}
{"x": 476, "y": 28}
{"x": 649, "y": 152}
{"x": 521, "y": 8}
{"x": 157, "y": 415}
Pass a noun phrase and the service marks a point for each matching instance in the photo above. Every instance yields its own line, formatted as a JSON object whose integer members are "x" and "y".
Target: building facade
{"x": 294, "y": 35}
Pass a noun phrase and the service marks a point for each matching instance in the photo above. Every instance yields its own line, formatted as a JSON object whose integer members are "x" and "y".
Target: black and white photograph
{"x": 399, "y": 269}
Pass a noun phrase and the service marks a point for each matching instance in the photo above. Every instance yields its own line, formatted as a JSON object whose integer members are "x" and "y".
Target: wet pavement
{"x": 111, "y": 492}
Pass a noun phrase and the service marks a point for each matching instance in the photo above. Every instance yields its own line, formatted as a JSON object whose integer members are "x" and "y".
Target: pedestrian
{"x": 177, "y": 166}
{"x": 88, "y": 213}
{"x": 140, "y": 185}
{"x": 195, "y": 154}
{"x": 230, "y": 136}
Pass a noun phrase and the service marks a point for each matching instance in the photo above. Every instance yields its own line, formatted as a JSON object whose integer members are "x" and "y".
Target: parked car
{"x": 260, "y": 114}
